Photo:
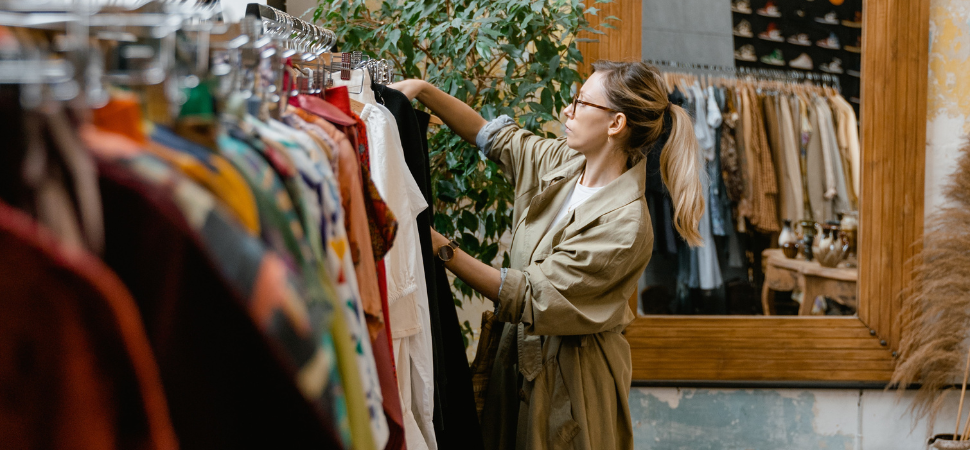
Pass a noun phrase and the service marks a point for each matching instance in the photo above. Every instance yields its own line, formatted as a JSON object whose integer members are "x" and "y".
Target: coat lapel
{"x": 545, "y": 205}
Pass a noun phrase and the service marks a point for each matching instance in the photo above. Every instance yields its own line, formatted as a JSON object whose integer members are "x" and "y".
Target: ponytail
{"x": 681, "y": 173}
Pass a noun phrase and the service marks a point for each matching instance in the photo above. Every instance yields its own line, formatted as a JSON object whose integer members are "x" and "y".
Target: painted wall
{"x": 692, "y": 31}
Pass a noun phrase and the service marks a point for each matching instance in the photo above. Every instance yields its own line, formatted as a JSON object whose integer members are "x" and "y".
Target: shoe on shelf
{"x": 803, "y": 62}
{"x": 745, "y": 53}
{"x": 770, "y": 10}
{"x": 831, "y": 18}
{"x": 741, "y": 6}
{"x": 856, "y": 22}
{"x": 857, "y": 48}
{"x": 800, "y": 39}
{"x": 774, "y": 59}
{"x": 743, "y": 29}
{"x": 835, "y": 66}
{"x": 854, "y": 73}
{"x": 831, "y": 42}
{"x": 772, "y": 33}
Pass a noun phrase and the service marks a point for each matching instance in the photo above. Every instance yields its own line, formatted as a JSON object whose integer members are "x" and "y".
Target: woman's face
{"x": 587, "y": 127}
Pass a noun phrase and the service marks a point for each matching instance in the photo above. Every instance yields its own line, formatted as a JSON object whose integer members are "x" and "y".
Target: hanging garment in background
{"x": 77, "y": 350}
{"x": 830, "y": 145}
{"x": 814, "y": 158}
{"x": 209, "y": 351}
{"x": 791, "y": 172}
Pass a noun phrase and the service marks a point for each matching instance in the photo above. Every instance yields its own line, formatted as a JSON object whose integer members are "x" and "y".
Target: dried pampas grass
{"x": 935, "y": 317}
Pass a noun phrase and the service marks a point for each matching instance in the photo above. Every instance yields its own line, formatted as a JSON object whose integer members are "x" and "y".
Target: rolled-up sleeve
{"x": 583, "y": 286}
{"x": 487, "y": 134}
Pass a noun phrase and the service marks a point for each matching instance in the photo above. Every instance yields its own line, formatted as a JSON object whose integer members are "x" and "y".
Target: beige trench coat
{"x": 561, "y": 378}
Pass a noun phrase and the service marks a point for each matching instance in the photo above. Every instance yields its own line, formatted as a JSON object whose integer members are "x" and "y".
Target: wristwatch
{"x": 446, "y": 252}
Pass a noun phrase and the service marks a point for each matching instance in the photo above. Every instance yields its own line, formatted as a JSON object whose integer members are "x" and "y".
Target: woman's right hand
{"x": 410, "y": 88}
{"x": 461, "y": 118}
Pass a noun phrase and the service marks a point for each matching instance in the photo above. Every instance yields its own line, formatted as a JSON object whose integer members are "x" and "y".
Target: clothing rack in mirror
{"x": 748, "y": 72}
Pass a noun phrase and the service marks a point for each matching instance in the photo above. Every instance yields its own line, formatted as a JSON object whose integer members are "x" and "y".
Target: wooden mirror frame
{"x": 794, "y": 349}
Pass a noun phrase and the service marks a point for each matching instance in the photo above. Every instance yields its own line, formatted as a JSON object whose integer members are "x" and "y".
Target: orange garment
{"x": 122, "y": 115}
{"x": 355, "y": 220}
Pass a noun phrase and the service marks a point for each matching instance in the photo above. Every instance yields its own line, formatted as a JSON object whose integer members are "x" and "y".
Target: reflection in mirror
{"x": 774, "y": 90}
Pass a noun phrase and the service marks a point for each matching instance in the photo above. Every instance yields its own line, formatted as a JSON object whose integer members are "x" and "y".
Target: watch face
{"x": 446, "y": 253}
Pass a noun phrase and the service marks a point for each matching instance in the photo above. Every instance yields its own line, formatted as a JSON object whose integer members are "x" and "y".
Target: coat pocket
{"x": 562, "y": 427}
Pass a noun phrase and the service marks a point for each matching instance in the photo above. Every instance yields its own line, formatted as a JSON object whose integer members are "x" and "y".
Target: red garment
{"x": 76, "y": 368}
{"x": 382, "y": 284}
{"x": 383, "y": 225}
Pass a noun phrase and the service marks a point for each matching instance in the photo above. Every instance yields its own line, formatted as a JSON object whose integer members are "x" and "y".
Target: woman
{"x": 582, "y": 237}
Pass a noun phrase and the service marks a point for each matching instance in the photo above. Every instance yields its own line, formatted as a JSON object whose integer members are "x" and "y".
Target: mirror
{"x": 832, "y": 351}
{"x": 774, "y": 87}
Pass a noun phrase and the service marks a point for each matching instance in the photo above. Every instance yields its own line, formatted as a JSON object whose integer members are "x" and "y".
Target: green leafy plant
{"x": 515, "y": 57}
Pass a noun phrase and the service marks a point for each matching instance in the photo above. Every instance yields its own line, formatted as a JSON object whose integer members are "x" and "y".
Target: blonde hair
{"x": 638, "y": 90}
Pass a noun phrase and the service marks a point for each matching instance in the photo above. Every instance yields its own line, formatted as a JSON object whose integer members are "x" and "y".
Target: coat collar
{"x": 622, "y": 191}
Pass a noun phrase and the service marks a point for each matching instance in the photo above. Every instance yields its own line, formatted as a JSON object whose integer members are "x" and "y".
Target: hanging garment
{"x": 210, "y": 170}
{"x": 720, "y": 213}
{"x": 764, "y": 194}
{"x": 848, "y": 133}
{"x": 731, "y": 165}
{"x": 791, "y": 172}
{"x": 415, "y": 151}
{"x": 365, "y": 355}
{"x": 379, "y": 214}
{"x": 79, "y": 372}
{"x": 456, "y": 422}
{"x": 210, "y": 351}
{"x": 833, "y": 159}
{"x": 776, "y": 140}
{"x": 407, "y": 292}
{"x": 815, "y": 167}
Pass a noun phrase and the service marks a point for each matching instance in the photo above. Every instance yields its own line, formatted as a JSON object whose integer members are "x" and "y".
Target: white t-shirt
{"x": 578, "y": 195}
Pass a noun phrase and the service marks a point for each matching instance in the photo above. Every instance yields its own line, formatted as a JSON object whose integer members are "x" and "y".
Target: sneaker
{"x": 770, "y": 10}
{"x": 856, "y": 21}
{"x": 800, "y": 39}
{"x": 741, "y": 6}
{"x": 743, "y": 29}
{"x": 830, "y": 18}
{"x": 774, "y": 59}
{"x": 854, "y": 73}
{"x": 857, "y": 48}
{"x": 772, "y": 33}
{"x": 745, "y": 53}
{"x": 835, "y": 66}
{"x": 831, "y": 42}
{"x": 802, "y": 62}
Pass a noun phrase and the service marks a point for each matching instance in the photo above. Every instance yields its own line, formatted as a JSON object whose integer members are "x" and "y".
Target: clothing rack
{"x": 751, "y": 73}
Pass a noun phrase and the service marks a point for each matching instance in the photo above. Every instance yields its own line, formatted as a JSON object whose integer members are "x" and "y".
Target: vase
{"x": 833, "y": 250}
{"x": 808, "y": 238}
{"x": 850, "y": 226}
{"x": 788, "y": 241}
{"x": 946, "y": 442}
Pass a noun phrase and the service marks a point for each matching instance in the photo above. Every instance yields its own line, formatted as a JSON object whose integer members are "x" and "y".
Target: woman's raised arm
{"x": 461, "y": 118}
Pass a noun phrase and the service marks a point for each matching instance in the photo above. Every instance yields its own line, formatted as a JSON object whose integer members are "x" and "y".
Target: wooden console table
{"x": 783, "y": 274}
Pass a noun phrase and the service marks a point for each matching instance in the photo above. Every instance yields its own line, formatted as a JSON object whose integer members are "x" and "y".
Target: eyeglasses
{"x": 577, "y": 100}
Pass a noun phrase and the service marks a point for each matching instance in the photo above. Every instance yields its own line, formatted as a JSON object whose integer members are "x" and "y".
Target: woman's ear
{"x": 618, "y": 124}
